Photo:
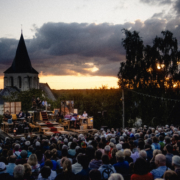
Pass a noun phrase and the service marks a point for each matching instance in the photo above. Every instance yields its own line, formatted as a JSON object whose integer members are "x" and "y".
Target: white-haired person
{"x": 176, "y": 164}
{"x": 127, "y": 154}
{"x": 19, "y": 172}
{"x": 116, "y": 176}
{"x": 121, "y": 166}
{"x": 107, "y": 150}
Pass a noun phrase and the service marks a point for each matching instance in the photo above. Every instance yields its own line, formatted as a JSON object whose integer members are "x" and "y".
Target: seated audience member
{"x": 94, "y": 174}
{"x": 23, "y": 158}
{"x": 44, "y": 173}
{"x": 47, "y": 155}
{"x": 53, "y": 173}
{"x": 152, "y": 162}
{"x": 106, "y": 169}
{"x": 84, "y": 173}
{"x": 149, "y": 151}
{"x": 135, "y": 151}
{"x": 160, "y": 161}
{"x": 121, "y": 166}
{"x": 17, "y": 150}
{"x": 28, "y": 172}
{"x": 20, "y": 114}
{"x": 141, "y": 170}
{"x": 169, "y": 155}
{"x": 127, "y": 154}
{"x": 19, "y": 171}
{"x": 155, "y": 144}
{"x": 170, "y": 175}
{"x": 143, "y": 154}
{"x": 67, "y": 173}
{"x": 113, "y": 155}
{"x": 33, "y": 162}
{"x": 176, "y": 165}
{"x": 11, "y": 165}
{"x": 3, "y": 173}
{"x": 97, "y": 162}
{"x": 72, "y": 151}
{"x": 116, "y": 176}
{"x": 77, "y": 167}
{"x": 107, "y": 150}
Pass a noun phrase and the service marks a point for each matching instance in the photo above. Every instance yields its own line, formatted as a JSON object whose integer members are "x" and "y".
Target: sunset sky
{"x": 78, "y": 43}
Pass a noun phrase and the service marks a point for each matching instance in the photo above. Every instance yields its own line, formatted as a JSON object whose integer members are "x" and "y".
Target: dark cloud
{"x": 71, "y": 49}
{"x": 177, "y": 6}
{"x": 155, "y": 2}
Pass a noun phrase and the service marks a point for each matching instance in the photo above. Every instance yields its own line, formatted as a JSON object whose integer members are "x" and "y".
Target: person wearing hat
{"x": 3, "y": 174}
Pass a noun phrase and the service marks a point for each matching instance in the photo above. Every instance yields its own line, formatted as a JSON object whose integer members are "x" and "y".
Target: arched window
{"x": 11, "y": 81}
{"x": 19, "y": 82}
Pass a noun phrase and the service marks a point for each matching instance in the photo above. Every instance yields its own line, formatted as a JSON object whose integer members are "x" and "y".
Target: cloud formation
{"x": 84, "y": 49}
{"x": 155, "y": 2}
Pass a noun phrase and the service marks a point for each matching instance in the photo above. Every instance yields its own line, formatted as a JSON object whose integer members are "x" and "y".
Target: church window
{"x": 19, "y": 82}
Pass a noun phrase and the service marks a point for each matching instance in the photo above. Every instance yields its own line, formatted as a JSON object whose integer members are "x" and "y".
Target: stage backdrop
{"x": 12, "y": 107}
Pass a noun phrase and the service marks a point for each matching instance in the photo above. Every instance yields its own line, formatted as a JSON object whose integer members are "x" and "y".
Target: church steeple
{"x": 21, "y": 62}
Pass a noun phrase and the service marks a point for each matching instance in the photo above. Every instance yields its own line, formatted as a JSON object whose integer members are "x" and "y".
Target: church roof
{"x": 21, "y": 62}
{"x": 45, "y": 87}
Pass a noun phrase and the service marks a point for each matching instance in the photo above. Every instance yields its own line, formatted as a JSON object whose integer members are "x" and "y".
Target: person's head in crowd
{"x": 45, "y": 172}
{"x": 160, "y": 160}
{"x": 79, "y": 158}
{"x": 105, "y": 159}
{"x": 167, "y": 140}
{"x": 169, "y": 149}
{"x": 118, "y": 147}
{"x": 23, "y": 154}
{"x": 155, "y": 139}
{"x": 73, "y": 145}
{"x": 156, "y": 152}
{"x": 19, "y": 171}
{"x": 39, "y": 155}
{"x": 141, "y": 144}
{"x": 64, "y": 152}
{"x": 85, "y": 162}
{"x": 170, "y": 175}
{"x": 113, "y": 153}
{"x": 143, "y": 154}
{"x": 120, "y": 156}
{"x": 27, "y": 171}
{"x": 107, "y": 149}
{"x": 176, "y": 161}
{"x": 94, "y": 174}
{"x": 47, "y": 154}
{"x": 49, "y": 163}
{"x": 16, "y": 147}
{"x": 116, "y": 176}
{"x": 100, "y": 145}
{"x": 32, "y": 160}
{"x": 161, "y": 138}
{"x": 9, "y": 153}
{"x": 141, "y": 167}
{"x": 12, "y": 159}
{"x": 127, "y": 152}
{"x": 67, "y": 166}
{"x": 98, "y": 155}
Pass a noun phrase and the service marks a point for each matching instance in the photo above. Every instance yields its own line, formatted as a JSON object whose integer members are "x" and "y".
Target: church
{"x": 21, "y": 76}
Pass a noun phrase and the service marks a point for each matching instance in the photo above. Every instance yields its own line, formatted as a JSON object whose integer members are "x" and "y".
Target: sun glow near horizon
{"x": 74, "y": 82}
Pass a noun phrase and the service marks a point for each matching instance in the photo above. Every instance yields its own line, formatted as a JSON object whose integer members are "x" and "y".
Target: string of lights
{"x": 156, "y": 97}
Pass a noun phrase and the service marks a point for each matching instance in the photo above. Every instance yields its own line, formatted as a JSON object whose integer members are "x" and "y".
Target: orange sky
{"x": 75, "y": 82}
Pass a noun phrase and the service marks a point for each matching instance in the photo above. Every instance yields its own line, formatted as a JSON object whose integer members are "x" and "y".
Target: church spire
{"x": 21, "y": 62}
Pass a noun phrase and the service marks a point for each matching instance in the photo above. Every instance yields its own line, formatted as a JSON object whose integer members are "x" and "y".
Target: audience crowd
{"x": 144, "y": 153}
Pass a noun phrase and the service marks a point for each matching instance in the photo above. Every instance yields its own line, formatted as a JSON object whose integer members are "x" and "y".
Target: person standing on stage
{"x": 38, "y": 102}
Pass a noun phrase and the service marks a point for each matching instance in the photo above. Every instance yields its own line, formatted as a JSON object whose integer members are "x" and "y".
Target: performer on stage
{"x": 38, "y": 102}
{"x": 85, "y": 115}
{"x": 33, "y": 102}
{"x": 20, "y": 115}
{"x": 7, "y": 115}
